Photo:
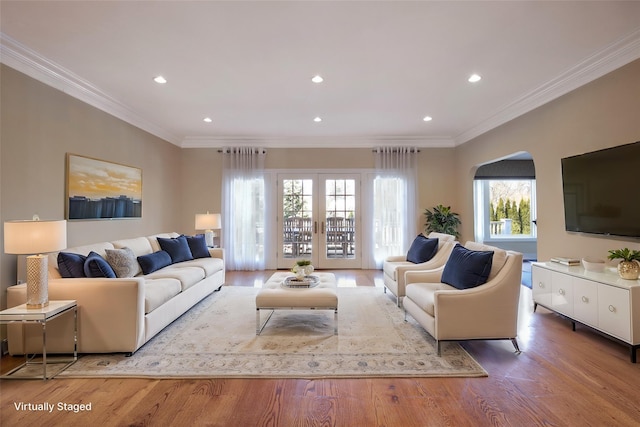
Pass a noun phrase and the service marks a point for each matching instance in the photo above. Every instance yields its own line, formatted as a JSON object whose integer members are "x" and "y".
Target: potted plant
{"x": 442, "y": 220}
{"x": 628, "y": 268}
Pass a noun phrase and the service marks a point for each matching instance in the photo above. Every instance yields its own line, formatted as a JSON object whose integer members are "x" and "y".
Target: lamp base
{"x": 208, "y": 237}
{"x": 37, "y": 281}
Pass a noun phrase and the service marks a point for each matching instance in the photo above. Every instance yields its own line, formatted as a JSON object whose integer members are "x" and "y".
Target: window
{"x": 505, "y": 209}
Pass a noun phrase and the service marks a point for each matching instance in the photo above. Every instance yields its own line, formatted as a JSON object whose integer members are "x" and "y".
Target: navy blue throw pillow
{"x": 422, "y": 249}
{"x": 153, "y": 262}
{"x": 71, "y": 265}
{"x": 96, "y": 266}
{"x": 467, "y": 269}
{"x": 177, "y": 248}
{"x": 198, "y": 246}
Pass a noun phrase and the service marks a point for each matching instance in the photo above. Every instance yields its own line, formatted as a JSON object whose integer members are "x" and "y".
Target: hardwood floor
{"x": 562, "y": 378}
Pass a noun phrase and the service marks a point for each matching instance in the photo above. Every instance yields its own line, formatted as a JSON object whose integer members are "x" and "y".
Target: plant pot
{"x": 629, "y": 270}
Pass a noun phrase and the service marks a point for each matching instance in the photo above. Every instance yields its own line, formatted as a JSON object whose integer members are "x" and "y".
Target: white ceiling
{"x": 386, "y": 64}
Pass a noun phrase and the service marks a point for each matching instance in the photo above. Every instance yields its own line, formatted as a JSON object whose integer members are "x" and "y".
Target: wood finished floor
{"x": 562, "y": 378}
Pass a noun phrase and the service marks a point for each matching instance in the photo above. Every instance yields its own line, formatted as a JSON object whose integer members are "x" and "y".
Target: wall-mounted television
{"x": 602, "y": 192}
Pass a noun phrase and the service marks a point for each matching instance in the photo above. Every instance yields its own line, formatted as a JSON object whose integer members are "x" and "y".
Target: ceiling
{"x": 386, "y": 64}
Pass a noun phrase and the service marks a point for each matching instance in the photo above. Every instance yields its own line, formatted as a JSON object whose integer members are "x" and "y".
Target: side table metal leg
{"x": 44, "y": 350}
{"x": 75, "y": 334}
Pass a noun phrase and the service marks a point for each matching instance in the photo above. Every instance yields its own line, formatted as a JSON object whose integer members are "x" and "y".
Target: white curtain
{"x": 244, "y": 207}
{"x": 394, "y": 201}
{"x": 480, "y": 208}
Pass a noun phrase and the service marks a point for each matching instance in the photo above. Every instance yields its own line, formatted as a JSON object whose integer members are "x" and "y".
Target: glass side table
{"x": 42, "y": 315}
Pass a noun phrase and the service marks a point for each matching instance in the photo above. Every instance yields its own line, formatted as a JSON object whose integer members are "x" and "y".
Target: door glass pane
{"x": 297, "y": 229}
{"x": 340, "y": 221}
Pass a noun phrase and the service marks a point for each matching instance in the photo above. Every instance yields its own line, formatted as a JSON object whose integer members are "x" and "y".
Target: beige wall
{"x": 601, "y": 114}
{"x": 39, "y": 125}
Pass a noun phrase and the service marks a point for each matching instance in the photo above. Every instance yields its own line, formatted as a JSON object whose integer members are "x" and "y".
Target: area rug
{"x": 217, "y": 339}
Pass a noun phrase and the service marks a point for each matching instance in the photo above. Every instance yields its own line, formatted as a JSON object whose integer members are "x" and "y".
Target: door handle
{"x": 322, "y": 227}
{"x": 315, "y": 227}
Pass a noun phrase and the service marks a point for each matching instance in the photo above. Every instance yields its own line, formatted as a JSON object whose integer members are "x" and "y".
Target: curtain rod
{"x": 235, "y": 150}
{"x": 397, "y": 150}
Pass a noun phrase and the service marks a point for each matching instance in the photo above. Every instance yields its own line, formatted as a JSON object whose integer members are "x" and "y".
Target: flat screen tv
{"x": 601, "y": 191}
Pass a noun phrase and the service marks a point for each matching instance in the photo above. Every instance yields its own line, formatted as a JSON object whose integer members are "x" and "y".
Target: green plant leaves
{"x": 625, "y": 254}
{"x": 442, "y": 220}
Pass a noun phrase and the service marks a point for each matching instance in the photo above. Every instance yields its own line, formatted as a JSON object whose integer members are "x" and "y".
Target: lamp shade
{"x": 208, "y": 221}
{"x": 34, "y": 237}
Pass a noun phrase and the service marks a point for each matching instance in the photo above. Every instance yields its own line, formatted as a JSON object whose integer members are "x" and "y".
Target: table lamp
{"x": 208, "y": 222}
{"x": 35, "y": 237}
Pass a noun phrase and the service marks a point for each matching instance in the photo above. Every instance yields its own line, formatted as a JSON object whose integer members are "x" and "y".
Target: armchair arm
{"x": 396, "y": 258}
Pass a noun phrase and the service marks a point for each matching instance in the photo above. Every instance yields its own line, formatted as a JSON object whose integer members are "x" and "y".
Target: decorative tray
{"x": 305, "y": 282}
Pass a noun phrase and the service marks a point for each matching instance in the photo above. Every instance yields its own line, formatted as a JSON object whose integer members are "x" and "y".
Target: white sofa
{"x": 118, "y": 315}
{"x": 395, "y": 266}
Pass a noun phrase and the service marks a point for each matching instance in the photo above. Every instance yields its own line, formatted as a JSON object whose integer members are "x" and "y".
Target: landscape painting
{"x": 97, "y": 189}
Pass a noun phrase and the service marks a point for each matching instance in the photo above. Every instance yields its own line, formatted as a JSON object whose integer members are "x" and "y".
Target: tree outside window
{"x": 510, "y": 207}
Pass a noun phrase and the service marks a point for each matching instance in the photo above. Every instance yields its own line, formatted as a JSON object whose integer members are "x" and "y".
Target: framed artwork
{"x": 97, "y": 189}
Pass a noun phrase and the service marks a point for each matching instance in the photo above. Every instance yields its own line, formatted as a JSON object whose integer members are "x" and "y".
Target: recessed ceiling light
{"x": 160, "y": 79}
{"x": 317, "y": 79}
{"x": 207, "y": 119}
{"x": 317, "y": 120}
{"x": 427, "y": 118}
{"x": 474, "y": 78}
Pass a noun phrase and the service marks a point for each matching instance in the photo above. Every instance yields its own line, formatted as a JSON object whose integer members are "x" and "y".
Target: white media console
{"x": 602, "y": 301}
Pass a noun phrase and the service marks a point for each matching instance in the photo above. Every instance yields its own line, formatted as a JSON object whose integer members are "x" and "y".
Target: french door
{"x": 318, "y": 220}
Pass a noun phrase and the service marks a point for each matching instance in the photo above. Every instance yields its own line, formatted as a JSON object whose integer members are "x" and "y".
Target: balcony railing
{"x": 500, "y": 227}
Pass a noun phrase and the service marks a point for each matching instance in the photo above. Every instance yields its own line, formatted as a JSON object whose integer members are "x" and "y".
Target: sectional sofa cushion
{"x": 209, "y": 265}
{"x": 467, "y": 268}
{"x": 123, "y": 261}
{"x": 188, "y": 276}
{"x": 159, "y": 291}
{"x": 154, "y": 261}
{"x": 198, "y": 246}
{"x": 96, "y": 266}
{"x": 422, "y": 249}
{"x": 71, "y": 265}
{"x": 177, "y": 248}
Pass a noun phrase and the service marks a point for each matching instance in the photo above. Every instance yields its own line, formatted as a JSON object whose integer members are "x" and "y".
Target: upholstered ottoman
{"x": 275, "y": 296}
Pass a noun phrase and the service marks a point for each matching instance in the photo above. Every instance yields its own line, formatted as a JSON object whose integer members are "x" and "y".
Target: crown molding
{"x": 612, "y": 57}
{"x": 317, "y": 142}
{"x": 27, "y": 61}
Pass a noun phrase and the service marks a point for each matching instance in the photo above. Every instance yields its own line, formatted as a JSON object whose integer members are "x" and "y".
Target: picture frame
{"x": 101, "y": 190}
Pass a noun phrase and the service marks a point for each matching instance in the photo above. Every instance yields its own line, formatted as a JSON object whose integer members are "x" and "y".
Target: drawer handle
{"x": 612, "y": 309}
{"x": 561, "y": 291}
{"x": 585, "y": 299}
{"x": 540, "y": 285}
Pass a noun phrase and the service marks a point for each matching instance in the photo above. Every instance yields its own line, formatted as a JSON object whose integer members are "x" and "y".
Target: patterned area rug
{"x": 217, "y": 339}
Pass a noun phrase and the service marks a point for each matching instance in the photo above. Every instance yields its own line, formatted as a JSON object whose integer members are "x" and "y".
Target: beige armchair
{"x": 486, "y": 312}
{"x": 394, "y": 267}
